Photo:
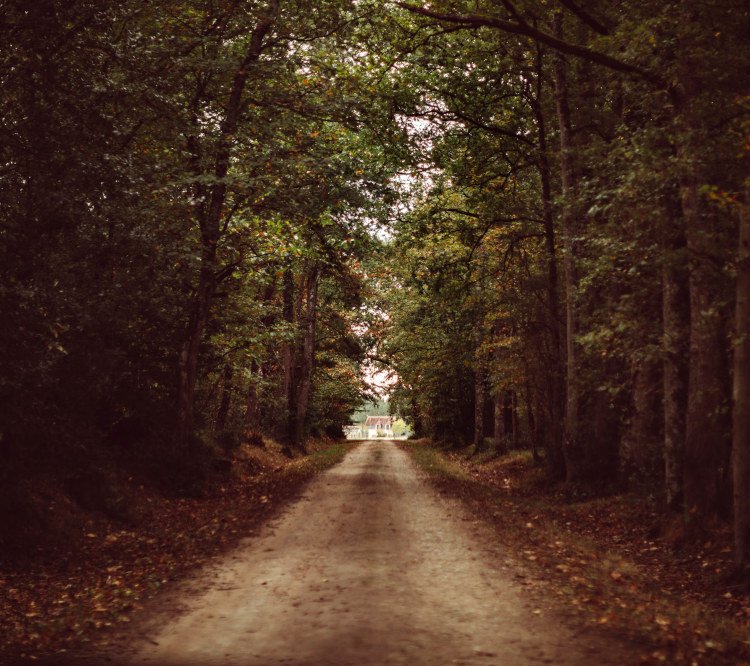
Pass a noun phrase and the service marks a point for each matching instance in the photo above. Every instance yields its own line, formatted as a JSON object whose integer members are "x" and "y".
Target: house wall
{"x": 372, "y": 431}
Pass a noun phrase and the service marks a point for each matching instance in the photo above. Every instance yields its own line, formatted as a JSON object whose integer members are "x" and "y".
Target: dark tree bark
{"x": 501, "y": 441}
{"x": 226, "y": 397}
{"x": 308, "y": 357}
{"x": 188, "y": 370}
{"x": 289, "y": 357}
{"x": 556, "y": 369}
{"x": 509, "y": 419}
{"x": 741, "y": 397}
{"x": 417, "y": 418}
{"x": 572, "y": 445}
{"x": 480, "y": 397}
{"x": 531, "y": 422}
{"x": 250, "y": 418}
{"x": 640, "y": 445}
{"x": 514, "y": 419}
{"x": 706, "y": 431}
{"x": 675, "y": 347}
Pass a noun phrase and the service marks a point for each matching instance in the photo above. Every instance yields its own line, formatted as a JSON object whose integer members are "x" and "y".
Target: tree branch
{"x": 472, "y": 21}
{"x": 584, "y": 16}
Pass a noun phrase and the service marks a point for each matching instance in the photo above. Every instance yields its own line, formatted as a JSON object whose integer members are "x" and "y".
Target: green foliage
{"x": 377, "y": 407}
{"x": 472, "y": 290}
{"x": 113, "y": 121}
{"x": 408, "y": 166}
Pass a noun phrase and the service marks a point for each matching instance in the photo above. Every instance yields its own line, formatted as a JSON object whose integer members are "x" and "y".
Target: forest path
{"x": 370, "y": 566}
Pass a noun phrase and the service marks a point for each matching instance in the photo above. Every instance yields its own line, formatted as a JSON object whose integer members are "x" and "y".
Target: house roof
{"x": 378, "y": 421}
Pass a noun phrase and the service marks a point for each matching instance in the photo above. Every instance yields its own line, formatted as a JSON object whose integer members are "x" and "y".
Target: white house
{"x": 379, "y": 426}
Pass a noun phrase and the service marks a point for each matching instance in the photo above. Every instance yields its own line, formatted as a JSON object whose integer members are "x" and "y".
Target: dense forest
{"x": 535, "y": 214}
{"x": 188, "y": 191}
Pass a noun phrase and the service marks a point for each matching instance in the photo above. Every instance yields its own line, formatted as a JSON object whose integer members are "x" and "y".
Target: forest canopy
{"x": 215, "y": 214}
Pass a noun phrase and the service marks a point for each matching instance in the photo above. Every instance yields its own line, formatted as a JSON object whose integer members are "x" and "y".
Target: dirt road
{"x": 369, "y": 567}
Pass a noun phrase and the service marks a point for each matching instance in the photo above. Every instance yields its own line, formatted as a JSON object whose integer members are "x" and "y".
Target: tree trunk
{"x": 250, "y": 418}
{"x": 209, "y": 216}
{"x": 640, "y": 446}
{"x": 188, "y": 363}
{"x": 572, "y": 444}
{"x": 514, "y": 418}
{"x": 417, "y": 419}
{"x": 706, "y": 433}
{"x": 540, "y": 424}
{"x": 741, "y": 397}
{"x": 509, "y": 420}
{"x": 480, "y": 397}
{"x": 289, "y": 357}
{"x": 556, "y": 370}
{"x": 675, "y": 347}
{"x": 308, "y": 358}
{"x": 226, "y": 398}
{"x": 501, "y": 442}
{"x": 531, "y": 422}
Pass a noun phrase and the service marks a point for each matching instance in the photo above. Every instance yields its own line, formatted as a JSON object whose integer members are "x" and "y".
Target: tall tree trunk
{"x": 188, "y": 362}
{"x": 480, "y": 397}
{"x": 531, "y": 422}
{"x": 640, "y": 446}
{"x": 540, "y": 424}
{"x": 706, "y": 433}
{"x": 417, "y": 418}
{"x": 257, "y": 370}
{"x": 209, "y": 216}
{"x": 572, "y": 445}
{"x": 289, "y": 356}
{"x": 501, "y": 441}
{"x": 556, "y": 370}
{"x": 509, "y": 420}
{"x": 308, "y": 357}
{"x": 741, "y": 397}
{"x": 676, "y": 349}
{"x": 250, "y": 418}
{"x": 226, "y": 397}
{"x": 294, "y": 301}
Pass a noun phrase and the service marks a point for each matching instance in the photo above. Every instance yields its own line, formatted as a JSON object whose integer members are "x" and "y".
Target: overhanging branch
{"x": 472, "y": 21}
{"x": 591, "y": 21}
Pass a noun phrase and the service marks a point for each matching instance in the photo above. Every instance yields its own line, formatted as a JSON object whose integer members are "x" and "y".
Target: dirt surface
{"x": 371, "y": 566}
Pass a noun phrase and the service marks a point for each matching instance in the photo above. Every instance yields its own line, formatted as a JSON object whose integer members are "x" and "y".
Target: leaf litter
{"x": 605, "y": 557}
{"x": 72, "y": 594}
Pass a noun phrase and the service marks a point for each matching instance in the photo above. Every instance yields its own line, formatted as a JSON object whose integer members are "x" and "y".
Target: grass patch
{"x": 431, "y": 460}
{"x": 331, "y": 455}
{"x": 321, "y": 457}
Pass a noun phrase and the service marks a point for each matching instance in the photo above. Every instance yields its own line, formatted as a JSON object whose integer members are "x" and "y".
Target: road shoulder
{"x": 594, "y": 587}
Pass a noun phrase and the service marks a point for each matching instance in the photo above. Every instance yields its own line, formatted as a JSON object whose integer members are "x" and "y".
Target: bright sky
{"x": 380, "y": 381}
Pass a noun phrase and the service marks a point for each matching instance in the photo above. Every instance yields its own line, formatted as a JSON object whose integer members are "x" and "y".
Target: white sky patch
{"x": 380, "y": 381}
